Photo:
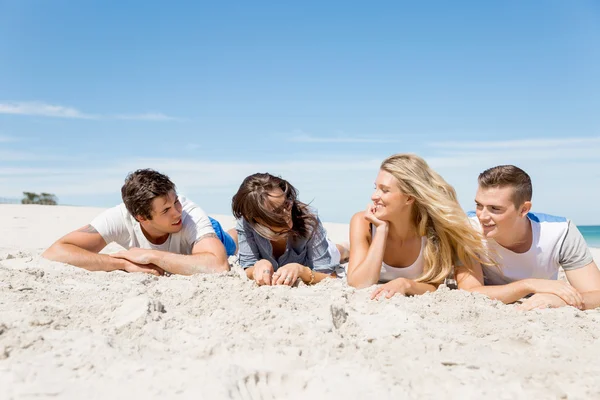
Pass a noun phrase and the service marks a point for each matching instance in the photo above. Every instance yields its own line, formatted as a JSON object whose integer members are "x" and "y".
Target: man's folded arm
{"x": 80, "y": 248}
{"x": 587, "y": 282}
{"x": 472, "y": 280}
{"x": 208, "y": 256}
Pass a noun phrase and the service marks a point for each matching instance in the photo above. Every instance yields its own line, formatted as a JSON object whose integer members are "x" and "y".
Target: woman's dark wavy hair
{"x": 251, "y": 203}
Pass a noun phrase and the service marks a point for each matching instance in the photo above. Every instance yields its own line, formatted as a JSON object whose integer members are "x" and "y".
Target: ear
{"x": 525, "y": 208}
{"x": 139, "y": 218}
{"x": 410, "y": 200}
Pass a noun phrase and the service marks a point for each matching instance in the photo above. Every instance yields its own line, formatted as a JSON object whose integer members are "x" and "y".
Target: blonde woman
{"x": 412, "y": 234}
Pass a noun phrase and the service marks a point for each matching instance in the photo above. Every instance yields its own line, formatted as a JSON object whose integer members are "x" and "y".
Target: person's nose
{"x": 376, "y": 195}
{"x": 484, "y": 215}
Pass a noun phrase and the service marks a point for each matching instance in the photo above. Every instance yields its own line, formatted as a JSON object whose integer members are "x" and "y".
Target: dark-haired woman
{"x": 280, "y": 240}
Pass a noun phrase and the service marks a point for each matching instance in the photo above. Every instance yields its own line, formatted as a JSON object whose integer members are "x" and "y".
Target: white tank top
{"x": 413, "y": 271}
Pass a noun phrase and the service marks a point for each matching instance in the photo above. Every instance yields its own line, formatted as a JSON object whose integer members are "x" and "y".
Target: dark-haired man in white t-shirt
{"x": 528, "y": 248}
{"x": 162, "y": 233}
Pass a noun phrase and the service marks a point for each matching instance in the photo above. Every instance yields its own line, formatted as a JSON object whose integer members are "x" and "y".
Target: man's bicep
{"x": 586, "y": 279}
{"x": 86, "y": 238}
{"x": 574, "y": 252}
{"x": 210, "y": 243}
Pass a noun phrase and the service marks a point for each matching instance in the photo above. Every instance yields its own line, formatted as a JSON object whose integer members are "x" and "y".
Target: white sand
{"x": 68, "y": 333}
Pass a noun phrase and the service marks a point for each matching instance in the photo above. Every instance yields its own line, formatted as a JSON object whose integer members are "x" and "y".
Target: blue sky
{"x": 317, "y": 92}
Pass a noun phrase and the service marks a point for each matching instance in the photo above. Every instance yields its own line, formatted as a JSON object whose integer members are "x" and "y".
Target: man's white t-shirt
{"x": 118, "y": 225}
{"x": 556, "y": 243}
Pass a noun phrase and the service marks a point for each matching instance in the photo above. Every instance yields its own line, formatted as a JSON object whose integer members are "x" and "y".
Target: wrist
{"x": 307, "y": 275}
{"x": 264, "y": 263}
{"x": 155, "y": 257}
{"x": 116, "y": 264}
{"x": 406, "y": 284}
{"x": 382, "y": 228}
{"x": 529, "y": 285}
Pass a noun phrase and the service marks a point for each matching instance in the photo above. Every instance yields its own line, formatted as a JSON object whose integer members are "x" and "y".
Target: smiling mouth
{"x": 177, "y": 223}
{"x": 488, "y": 225}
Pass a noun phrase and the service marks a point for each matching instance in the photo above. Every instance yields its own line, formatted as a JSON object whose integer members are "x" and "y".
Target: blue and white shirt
{"x": 556, "y": 243}
{"x": 316, "y": 252}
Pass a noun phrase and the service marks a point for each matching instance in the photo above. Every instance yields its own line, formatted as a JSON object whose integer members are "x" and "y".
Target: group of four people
{"x": 412, "y": 237}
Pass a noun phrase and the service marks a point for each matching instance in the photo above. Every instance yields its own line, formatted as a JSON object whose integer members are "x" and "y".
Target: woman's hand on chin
{"x": 370, "y": 216}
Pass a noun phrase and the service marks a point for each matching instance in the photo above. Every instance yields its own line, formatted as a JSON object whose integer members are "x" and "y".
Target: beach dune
{"x": 68, "y": 333}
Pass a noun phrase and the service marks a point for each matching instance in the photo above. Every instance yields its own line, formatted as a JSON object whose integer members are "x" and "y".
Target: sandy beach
{"x": 71, "y": 334}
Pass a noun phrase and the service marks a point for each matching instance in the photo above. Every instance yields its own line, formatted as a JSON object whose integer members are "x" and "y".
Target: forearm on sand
{"x": 367, "y": 272}
{"x": 508, "y": 293}
{"x": 74, "y": 255}
{"x": 181, "y": 264}
{"x": 307, "y": 275}
{"x": 415, "y": 288}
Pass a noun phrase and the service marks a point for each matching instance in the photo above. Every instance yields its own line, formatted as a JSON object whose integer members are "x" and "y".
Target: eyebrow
{"x": 382, "y": 185}
{"x": 167, "y": 208}
{"x": 488, "y": 205}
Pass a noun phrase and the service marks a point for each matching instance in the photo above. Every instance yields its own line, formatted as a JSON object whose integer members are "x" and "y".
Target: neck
{"x": 520, "y": 241}
{"x": 279, "y": 241}
{"x": 154, "y": 236}
{"x": 403, "y": 229}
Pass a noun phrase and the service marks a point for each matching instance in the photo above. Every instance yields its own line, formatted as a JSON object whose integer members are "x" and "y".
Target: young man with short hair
{"x": 162, "y": 233}
{"x": 528, "y": 248}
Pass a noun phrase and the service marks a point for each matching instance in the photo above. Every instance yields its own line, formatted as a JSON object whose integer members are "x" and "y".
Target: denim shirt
{"x": 312, "y": 252}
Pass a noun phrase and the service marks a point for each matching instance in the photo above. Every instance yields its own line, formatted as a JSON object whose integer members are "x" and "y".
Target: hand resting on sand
{"x": 391, "y": 288}
{"x": 562, "y": 289}
{"x": 138, "y": 260}
{"x": 540, "y": 301}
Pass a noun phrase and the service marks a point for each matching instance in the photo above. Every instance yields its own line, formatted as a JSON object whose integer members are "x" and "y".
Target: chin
{"x": 382, "y": 215}
{"x": 175, "y": 229}
{"x": 490, "y": 234}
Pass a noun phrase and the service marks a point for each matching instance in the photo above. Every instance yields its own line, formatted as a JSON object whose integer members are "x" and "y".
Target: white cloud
{"x": 517, "y": 152}
{"x": 7, "y": 139}
{"x": 146, "y": 117}
{"x": 306, "y": 138}
{"x": 531, "y": 144}
{"x": 565, "y": 181}
{"x": 16, "y": 156}
{"x": 36, "y": 108}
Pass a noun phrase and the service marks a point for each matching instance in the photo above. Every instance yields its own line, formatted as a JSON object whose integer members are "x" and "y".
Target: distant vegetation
{"x": 42, "y": 198}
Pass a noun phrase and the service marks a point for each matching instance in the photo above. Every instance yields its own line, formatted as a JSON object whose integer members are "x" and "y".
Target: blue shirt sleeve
{"x": 248, "y": 250}
{"x": 224, "y": 237}
{"x": 318, "y": 252}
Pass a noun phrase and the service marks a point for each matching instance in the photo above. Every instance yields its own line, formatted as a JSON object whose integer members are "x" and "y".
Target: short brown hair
{"x": 508, "y": 175}
{"x": 141, "y": 188}
{"x": 252, "y": 197}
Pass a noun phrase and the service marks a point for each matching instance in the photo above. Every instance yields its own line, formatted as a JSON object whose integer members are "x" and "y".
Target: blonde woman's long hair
{"x": 437, "y": 215}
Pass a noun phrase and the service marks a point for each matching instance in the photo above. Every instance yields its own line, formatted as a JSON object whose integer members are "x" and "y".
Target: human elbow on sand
{"x": 161, "y": 232}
